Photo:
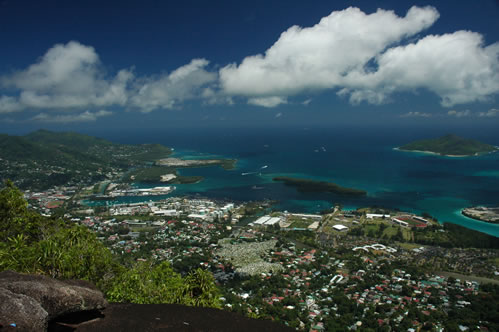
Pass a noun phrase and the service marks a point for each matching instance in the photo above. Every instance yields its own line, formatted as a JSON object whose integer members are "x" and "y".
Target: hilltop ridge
{"x": 450, "y": 145}
{"x": 43, "y": 158}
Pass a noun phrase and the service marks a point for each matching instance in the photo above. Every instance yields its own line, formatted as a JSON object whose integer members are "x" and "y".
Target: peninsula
{"x": 487, "y": 214}
{"x": 182, "y": 163}
{"x": 450, "y": 145}
{"x": 43, "y": 159}
{"x": 166, "y": 170}
{"x": 307, "y": 185}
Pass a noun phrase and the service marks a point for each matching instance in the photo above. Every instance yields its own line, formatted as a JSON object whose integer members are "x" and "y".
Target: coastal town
{"x": 356, "y": 269}
{"x": 369, "y": 268}
{"x": 226, "y": 166}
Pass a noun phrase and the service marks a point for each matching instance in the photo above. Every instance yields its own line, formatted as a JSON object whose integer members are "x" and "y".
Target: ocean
{"x": 356, "y": 157}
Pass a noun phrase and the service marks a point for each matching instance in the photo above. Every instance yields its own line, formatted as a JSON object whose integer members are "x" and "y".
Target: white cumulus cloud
{"x": 67, "y": 76}
{"x": 367, "y": 57}
{"x": 359, "y": 56}
{"x": 186, "y": 82}
{"x": 86, "y": 116}
{"x": 9, "y": 104}
{"x": 459, "y": 114}
{"x": 457, "y": 67}
{"x": 416, "y": 115}
{"x": 70, "y": 77}
{"x": 320, "y": 57}
{"x": 493, "y": 112}
{"x": 268, "y": 101}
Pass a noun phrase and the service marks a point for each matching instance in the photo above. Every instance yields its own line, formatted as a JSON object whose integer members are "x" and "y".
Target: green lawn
{"x": 300, "y": 224}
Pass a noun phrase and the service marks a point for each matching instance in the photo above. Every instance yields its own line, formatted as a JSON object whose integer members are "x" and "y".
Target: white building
{"x": 267, "y": 221}
{"x": 400, "y": 222}
{"x": 272, "y": 221}
{"x": 340, "y": 228}
{"x": 262, "y": 220}
{"x": 195, "y": 216}
{"x": 376, "y": 215}
{"x": 169, "y": 213}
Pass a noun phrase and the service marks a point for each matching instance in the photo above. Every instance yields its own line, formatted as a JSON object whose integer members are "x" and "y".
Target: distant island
{"x": 487, "y": 214}
{"x": 450, "y": 145}
{"x": 307, "y": 185}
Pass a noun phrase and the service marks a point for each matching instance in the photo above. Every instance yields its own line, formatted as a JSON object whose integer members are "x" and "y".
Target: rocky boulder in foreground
{"x": 31, "y": 301}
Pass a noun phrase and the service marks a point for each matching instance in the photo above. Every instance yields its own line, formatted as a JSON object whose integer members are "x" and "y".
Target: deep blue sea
{"x": 362, "y": 158}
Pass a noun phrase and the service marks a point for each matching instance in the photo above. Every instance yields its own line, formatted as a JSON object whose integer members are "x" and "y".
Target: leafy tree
{"x": 144, "y": 283}
{"x": 381, "y": 228}
{"x": 399, "y": 236}
{"x": 75, "y": 253}
{"x": 16, "y": 219}
{"x": 35, "y": 244}
{"x": 356, "y": 231}
{"x": 200, "y": 289}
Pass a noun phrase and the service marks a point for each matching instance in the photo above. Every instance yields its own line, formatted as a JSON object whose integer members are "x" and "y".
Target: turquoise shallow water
{"x": 357, "y": 158}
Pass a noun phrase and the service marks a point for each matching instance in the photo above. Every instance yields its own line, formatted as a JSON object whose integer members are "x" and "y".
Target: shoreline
{"x": 448, "y": 155}
{"x": 436, "y": 153}
{"x": 227, "y": 164}
{"x": 475, "y": 217}
{"x": 470, "y": 223}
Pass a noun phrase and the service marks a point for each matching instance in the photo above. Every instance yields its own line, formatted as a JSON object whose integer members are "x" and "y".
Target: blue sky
{"x": 124, "y": 64}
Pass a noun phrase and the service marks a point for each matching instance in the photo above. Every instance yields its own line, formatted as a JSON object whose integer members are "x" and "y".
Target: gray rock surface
{"x": 22, "y": 310}
{"x": 31, "y": 295}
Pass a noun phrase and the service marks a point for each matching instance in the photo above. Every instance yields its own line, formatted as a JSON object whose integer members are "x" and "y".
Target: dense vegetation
{"x": 153, "y": 175}
{"x": 450, "y": 145}
{"x": 228, "y": 164}
{"x": 35, "y": 244}
{"x": 456, "y": 236}
{"x": 44, "y": 159}
{"x": 306, "y": 185}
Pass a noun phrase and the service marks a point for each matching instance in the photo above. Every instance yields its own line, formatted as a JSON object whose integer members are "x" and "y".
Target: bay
{"x": 356, "y": 157}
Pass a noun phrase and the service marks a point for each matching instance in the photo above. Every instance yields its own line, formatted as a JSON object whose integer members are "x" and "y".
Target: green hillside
{"x": 450, "y": 145}
{"x": 19, "y": 149}
{"x": 75, "y": 140}
{"x": 98, "y": 149}
{"x": 43, "y": 158}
